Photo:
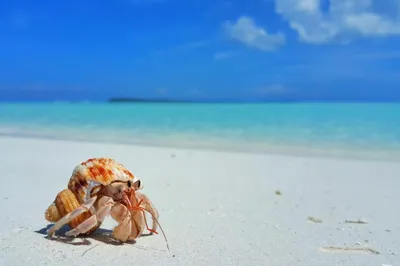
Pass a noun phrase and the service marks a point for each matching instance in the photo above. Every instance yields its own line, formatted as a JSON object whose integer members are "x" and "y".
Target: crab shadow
{"x": 101, "y": 235}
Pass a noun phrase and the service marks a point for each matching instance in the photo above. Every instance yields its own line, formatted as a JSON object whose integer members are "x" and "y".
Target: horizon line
{"x": 227, "y": 101}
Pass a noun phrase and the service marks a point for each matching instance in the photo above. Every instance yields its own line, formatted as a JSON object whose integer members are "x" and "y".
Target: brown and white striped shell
{"x": 86, "y": 178}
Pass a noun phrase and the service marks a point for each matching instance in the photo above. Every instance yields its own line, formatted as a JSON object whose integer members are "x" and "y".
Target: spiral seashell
{"x": 65, "y": 203}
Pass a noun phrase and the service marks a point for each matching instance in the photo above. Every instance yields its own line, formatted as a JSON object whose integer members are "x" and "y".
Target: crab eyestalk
{"x": 136, "y": 183}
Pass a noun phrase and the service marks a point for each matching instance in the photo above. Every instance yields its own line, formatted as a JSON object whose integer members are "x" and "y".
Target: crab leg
{"x": 83, "y": 227}
{"x": 138, "y": 224}
{"x": 121, "y": 214}
{"x": 105, "y": 204}
{"x": 70, "y": 216}
{"x": 148, "y": 206}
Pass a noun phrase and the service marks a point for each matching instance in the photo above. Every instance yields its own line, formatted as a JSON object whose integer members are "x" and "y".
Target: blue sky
{"x": 253, "y": 49}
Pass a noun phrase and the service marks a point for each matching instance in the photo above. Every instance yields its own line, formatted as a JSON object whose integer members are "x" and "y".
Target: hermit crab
{"x": 97, "y": 188}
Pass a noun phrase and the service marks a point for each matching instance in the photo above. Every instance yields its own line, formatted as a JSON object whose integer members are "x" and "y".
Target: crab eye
{"x": 129, "y": 183}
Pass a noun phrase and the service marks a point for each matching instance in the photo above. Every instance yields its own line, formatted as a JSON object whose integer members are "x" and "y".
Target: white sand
{"x": 215, "y": 208}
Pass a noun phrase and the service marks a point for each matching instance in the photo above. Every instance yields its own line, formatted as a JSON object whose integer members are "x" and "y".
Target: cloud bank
{"x": 343, "y": 20}
{"x": 246, "y": 31}
{"x": 321, "y": 22}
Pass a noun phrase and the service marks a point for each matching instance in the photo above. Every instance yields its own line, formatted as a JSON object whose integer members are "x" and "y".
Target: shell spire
{"x": 52, "y": 214}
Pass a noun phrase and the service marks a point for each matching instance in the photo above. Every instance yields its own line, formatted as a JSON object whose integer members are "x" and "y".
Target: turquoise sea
{"x": 315, "y": 128}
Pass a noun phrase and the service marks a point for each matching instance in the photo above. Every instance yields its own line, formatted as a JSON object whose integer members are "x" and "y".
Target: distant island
{"x": 163, "y": 100}
{"x": 259, "y": 100}
{"x": 143, "y": 100}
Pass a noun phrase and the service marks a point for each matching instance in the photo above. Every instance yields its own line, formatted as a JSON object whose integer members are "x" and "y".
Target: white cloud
{"x": 246, "y": 31}
{"x": 345, "y": 19}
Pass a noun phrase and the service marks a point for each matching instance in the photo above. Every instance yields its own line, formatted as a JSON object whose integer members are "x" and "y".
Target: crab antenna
{"x": 138, "y": 207}
{"x": 155, "y": 219}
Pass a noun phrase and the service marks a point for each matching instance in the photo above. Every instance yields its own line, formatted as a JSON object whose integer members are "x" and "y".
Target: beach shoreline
{"x": 216, "y": 207}
{"x": 336, "y": 129}
{"x": 327, "y": 150}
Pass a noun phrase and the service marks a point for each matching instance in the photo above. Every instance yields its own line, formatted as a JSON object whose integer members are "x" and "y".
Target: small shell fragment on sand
{"x": 359, "y": 221}
{"x": 364, "y": 250}
{"x": 315, "y": 220}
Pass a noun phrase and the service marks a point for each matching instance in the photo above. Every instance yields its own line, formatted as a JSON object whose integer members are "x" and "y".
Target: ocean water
{"x": 314, "y": 128}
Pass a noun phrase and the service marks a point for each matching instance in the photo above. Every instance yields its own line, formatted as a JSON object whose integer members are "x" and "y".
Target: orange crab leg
{"x": 137, "y": 207}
